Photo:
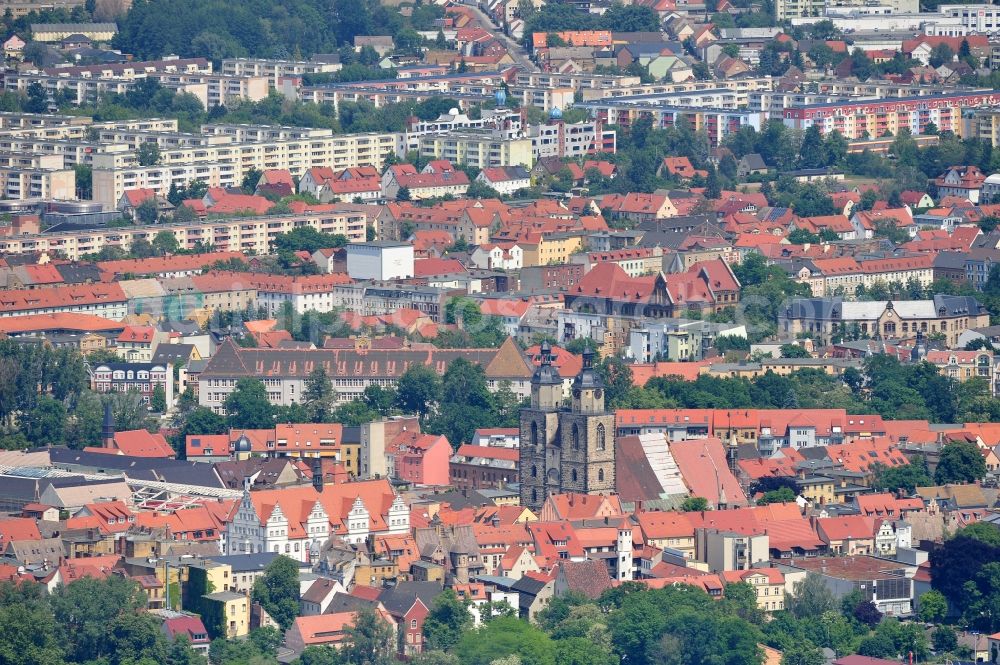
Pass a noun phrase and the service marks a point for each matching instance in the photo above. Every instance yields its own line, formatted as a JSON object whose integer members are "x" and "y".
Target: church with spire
{"x": 566, "y": 449}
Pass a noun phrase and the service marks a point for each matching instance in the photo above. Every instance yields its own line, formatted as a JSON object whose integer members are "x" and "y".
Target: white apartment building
{"x": 248, "y": 235}
{"x": 477, "y": 150}
{"x": 559, "y": 139}
{"x": 275, "y": 70}
{"x": 228, "y": 152}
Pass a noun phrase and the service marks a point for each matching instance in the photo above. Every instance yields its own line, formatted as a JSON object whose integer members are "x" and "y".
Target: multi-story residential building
{"x": 860, "y": 119}
{"x": 716, "y": 123}
{"x": 217, "y": 89}
{"x": 480, "y": 151}
{"x": 476, "y": 467}
{"x": 678, "y": 339}
{"x": 310, "y": 292}
{"x": 55, "y": 32}
{"x": 106, "y": 300}
{"x": 944, "y": 316}
{"x": 843, "y": 275}
{"x": 143, "y": 378}
{"x": 275, "y": 70}
{"x": 963, "y": 365}
{"x": 245, "y": 235}
{"x": 558, "y": 139}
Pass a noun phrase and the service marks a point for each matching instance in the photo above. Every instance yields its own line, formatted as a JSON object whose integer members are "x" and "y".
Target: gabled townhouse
{"x": 298, "y": 521}
{"x": 963, "y": 181}
{"x": 636, "y": 208}
{"x": 768, "y": 584}
{"x": 837, "y": 224}
{"x": 358, "y": 183}
{"x": 420, "y": 459}
{"x": 681, "y": 168}
{"x": 436, "y": 180}
{"x": 505, "y": 179}
{"x": 498, "y": 256}
{"x": 865, "y": 222}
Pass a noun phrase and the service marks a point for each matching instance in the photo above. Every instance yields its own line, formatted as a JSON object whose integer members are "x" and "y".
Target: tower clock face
{"x": 576, "y": 393}
{"x": 598, "y": 393}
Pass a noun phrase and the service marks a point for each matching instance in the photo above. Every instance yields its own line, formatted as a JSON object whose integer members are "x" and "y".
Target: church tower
{"x": 587, "y": 433}
{"x": 539, "y": 438}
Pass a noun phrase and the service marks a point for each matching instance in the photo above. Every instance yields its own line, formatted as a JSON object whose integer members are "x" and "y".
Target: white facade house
{"x": 498, "y": 256}
{"x": 380, "y": 260}
{"x": 297, "y": 522}
{"x": 505, "y": 179}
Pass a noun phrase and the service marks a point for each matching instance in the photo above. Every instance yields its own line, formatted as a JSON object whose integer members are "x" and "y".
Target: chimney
{"x": 317, "y": 469}
{"x": 108, "y": 428}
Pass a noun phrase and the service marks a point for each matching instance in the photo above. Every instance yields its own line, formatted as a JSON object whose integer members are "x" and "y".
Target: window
{"x": 601, "y": 437}
{"x": 576, "y": 438}
{"x": 600, "y": 475}
{"x": 574, "y": 475}
{"x": 413, "y": 623}
{"x": 534, "y": 434}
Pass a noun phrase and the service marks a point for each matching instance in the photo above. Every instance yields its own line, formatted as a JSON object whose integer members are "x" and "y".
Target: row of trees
{"x": 45, "y": 399}
{"x": 454, "y": 405}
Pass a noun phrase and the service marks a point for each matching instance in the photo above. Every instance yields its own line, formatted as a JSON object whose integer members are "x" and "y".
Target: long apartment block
{"x": 248, "y": 235}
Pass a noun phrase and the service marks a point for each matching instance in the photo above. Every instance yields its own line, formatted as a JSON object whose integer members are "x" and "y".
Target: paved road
{"x": 516, "y": 50}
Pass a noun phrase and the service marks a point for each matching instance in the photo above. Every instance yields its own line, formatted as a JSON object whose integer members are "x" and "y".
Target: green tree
{"x": 694, "y": 504}
{"x": 84, "y": 181}
{"x": 380, "y": 400}
{"x": 812, "y": 153}
{"x": 449, "y": 617}
{"x": 960, "y": 462}
{"x": 319, "y": 396}
{"x": 783, "y": 495}
{"x": 933, "y": 606}
{"x": 369, "y": 641}
{"x": 28, "y": 631}
{"x": 148, "y": 153}
{"x": 85, "y": 612}
{"x": 811, "y": 598}
{"x": 503, "y": 637}
{"x": 158, "y": 400}
{"x": 165, "y": 242}
{"x": 248, "y": 407}
{"x": 466, "y": 403}
{"x": 802, "y": 654}
{"x": 277, "y": 590}
{"x": 944, "y": 639}
{"x": 418, "y": 390}
{"x": 906, "y": 477}
{"x": 45, "y": 424}
{"x": 146, "y": 213}
{"x": 794, "y": 351}
{"x": 38, "y": 99}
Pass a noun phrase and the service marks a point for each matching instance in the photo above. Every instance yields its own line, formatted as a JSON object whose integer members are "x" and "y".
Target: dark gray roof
{"x": 182, "y": 327}
{"x": 950, "y": 260}
{"x": 399, "y": 599}
{"x": 245, "y": 563}
{"x": 345, "y": 602}
{"x": 170, "y": 353}
{"x": 954, "y": 305}
{"x": 183, "y": 472}
{"x": 78, "y": 273}
{"x": 753, "y": 161}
